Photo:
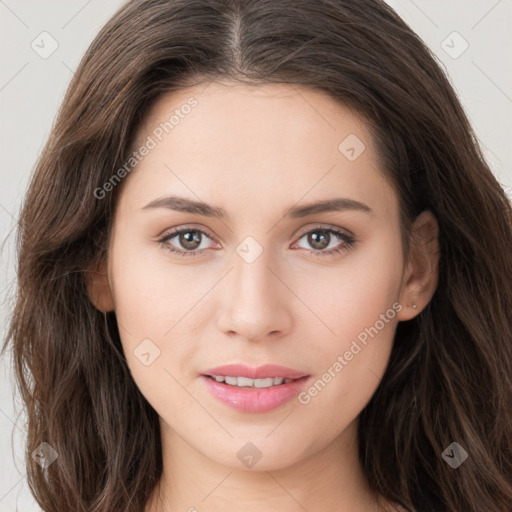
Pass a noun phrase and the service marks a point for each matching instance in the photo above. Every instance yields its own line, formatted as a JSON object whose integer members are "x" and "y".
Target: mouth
{"x": 246, "y": 374}
{"x": 254, "y": 389}
{"x": 246, "y": 382}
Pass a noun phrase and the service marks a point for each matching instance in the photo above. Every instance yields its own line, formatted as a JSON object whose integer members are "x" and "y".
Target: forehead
{"x": 282, "y": 109}
{"x": 265, "y": 141}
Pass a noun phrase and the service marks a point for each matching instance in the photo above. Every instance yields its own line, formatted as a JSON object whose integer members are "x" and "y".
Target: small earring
{"x": 414, "y": 306}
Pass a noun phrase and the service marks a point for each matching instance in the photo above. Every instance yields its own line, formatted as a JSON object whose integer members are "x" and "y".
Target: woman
{"x": 264, "y": 264}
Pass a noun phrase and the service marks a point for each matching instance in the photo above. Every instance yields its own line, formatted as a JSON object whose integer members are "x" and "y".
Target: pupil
{"x": 189, "y": 241}
{"x": 314, "y": 237}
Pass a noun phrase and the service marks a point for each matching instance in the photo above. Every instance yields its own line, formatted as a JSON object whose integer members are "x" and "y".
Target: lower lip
{"x": 249, "y": 399}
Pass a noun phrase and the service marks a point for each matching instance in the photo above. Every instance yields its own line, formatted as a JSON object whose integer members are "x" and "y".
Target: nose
{"x": 255, "y": 303}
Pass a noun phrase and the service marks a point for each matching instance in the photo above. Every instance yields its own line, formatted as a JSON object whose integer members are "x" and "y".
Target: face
{"x": 264, "y": 280}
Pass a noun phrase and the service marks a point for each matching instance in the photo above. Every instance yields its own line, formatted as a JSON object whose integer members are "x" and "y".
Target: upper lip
{"x": 261, "y": 372}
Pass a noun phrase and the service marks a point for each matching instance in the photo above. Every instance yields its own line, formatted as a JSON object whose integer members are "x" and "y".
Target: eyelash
{"x": 348, "y": 240}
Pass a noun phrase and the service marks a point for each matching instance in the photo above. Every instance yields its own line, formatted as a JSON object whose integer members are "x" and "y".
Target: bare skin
{"x": 256, "y": 152}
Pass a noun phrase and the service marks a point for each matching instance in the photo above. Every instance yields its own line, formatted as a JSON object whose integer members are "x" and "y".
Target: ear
{"x": 98, "y": 288}
{"x": 421, "y": 274}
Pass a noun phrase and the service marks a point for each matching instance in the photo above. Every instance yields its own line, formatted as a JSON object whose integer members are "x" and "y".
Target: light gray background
{"x": 32, "y": 88}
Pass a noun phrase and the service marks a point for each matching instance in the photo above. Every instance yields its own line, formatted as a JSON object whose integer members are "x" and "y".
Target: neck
{"x": 329, "y": 479}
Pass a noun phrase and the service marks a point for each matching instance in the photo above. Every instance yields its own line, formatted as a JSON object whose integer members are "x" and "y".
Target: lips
{"x": 251, "y": 399}
{"x": 261, "y": 372}
{"x": 260, "y": 397}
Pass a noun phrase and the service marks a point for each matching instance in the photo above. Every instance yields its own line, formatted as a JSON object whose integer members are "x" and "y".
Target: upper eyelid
{"x": 176, "y": 231}
{"x": 326, "y": 227}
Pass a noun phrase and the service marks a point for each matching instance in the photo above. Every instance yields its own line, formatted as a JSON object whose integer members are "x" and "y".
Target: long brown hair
{"x": 449, "y": 376}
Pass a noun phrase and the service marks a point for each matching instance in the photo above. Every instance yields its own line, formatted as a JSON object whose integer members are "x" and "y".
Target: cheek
{"x": 152, "y": 293}
{"x": 359, "y": 304}
{"x": 352, "y": 294}
{"x": 154, "y": 307}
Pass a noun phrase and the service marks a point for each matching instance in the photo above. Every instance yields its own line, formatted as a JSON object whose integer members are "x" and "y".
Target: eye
{"x": 321, "y": 238}
{"x": 190, "y": 239}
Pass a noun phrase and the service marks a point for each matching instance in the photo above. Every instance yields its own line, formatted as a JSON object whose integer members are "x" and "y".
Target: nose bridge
{"x": 254, "y": 304}
{"x": 252, "y": 278}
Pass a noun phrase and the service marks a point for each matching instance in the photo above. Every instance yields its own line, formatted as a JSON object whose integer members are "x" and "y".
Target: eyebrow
{"x": 182, "y": 204}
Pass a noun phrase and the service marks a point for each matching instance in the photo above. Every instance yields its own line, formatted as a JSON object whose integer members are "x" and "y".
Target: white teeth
{"x": 243, "y": 381}
{"x": 266, "y": 383}
{"x": 256, "y": 383}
